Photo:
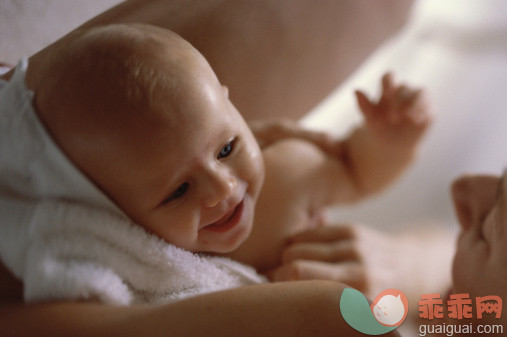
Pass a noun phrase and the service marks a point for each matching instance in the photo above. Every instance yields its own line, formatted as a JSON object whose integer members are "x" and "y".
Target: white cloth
{"x": 66, "y": 240}
{"x": 4, "y": 69}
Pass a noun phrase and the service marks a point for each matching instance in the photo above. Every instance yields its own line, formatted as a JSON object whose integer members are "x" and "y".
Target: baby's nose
{"x": 220, "y": 187}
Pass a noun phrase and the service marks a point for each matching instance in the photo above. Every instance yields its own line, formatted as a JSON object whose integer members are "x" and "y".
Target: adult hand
{"x": 356, "y": 255}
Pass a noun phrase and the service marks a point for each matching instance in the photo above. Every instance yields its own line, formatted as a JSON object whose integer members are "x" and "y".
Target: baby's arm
{"x": 379, "y": 150}
{"x": 376, "y": 152}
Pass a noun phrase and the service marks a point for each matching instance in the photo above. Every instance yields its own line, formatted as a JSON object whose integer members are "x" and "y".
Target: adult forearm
{"x": 278, "y": 58}
{"x": 283, "y": 309}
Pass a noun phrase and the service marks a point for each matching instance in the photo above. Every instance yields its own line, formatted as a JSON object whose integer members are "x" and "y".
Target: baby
{"x": 140, "y": 112}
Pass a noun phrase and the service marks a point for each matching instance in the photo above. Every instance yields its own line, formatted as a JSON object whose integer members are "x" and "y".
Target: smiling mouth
{"x": 228, "y": 221}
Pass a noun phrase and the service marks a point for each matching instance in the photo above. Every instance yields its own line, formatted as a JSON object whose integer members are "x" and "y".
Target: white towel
{"x": 66, "y": 240}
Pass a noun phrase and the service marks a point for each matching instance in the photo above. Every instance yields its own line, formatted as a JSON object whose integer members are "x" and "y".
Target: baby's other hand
{"x": 356, "y": 255}
{"x": 400, "y": 117}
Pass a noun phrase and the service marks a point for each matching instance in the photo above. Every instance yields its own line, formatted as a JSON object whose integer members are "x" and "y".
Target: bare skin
{"x": 284, "y": 309}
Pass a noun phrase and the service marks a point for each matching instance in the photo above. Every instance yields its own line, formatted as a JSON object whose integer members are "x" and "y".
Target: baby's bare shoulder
{"x": 291, "y": 151}
{"x": 294, "y": 162}
{"x": 298, "y": 166}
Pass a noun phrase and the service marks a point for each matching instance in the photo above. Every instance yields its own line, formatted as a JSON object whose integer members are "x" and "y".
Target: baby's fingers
{"x": 325, "y": 234}
{"x": 388, "y": 86}
{"x": 368, "y": 108}
{"x": 402, "y": 94}
{"x": 338, "y": 251}
{"x": 352, "y": 274}
{"x": 269, "y": 132}
{"x": 416, "y": 108}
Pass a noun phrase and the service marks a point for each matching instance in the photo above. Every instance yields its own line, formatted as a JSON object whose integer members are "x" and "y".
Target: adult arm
{"x": 283, "y": 309}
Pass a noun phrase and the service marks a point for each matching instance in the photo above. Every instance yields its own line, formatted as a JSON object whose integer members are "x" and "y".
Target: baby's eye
{"x": 227, "y": 149}
{"x": 180, "y": 191}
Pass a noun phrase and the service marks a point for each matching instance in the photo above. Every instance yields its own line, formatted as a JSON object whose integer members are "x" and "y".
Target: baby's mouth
{"x": 228, "y": 221}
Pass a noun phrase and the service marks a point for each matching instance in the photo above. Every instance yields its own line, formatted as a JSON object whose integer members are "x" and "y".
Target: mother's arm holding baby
{"x": 285, "y": 309}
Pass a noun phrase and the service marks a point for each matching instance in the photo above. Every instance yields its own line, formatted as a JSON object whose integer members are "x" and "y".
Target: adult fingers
{"x": 352, "y": 274}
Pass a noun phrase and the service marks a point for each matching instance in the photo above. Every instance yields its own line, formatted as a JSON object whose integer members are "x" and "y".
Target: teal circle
{"x": 356, "y": 311}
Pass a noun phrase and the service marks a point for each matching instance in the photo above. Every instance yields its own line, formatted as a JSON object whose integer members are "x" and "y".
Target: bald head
{"x": 107, "y": 90}
{"x": 105, "y": 82}
{"x": 115, "y": 68}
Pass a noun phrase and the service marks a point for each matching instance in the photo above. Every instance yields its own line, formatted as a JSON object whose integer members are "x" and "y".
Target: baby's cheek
{"x": 174, "y": 225}
{"x": 252, "y": 170}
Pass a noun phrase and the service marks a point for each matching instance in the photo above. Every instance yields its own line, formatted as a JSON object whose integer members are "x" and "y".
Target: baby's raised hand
{"x": 399, "y": 118}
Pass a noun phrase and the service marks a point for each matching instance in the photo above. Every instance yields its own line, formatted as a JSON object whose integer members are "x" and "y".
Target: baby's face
{"x": 480, "y": 263}
{"x": 196, "y": 173}
{"x": 197, "y": 184}
{"x": 192, "y": 177}
{"x": 185, "y": 166}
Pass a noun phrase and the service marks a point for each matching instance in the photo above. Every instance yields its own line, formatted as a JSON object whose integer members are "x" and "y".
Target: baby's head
{"x": 142, "y": 114}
